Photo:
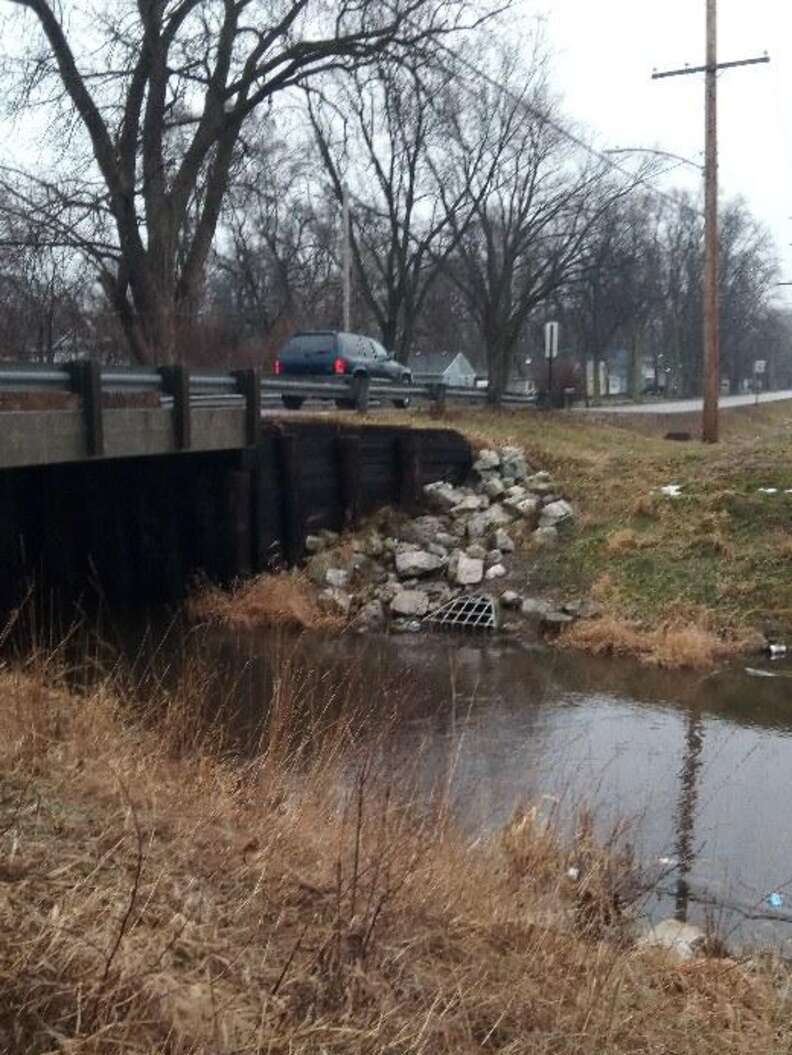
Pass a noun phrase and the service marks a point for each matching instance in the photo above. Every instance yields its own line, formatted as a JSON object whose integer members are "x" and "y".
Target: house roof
{"x": 438, "y": 362}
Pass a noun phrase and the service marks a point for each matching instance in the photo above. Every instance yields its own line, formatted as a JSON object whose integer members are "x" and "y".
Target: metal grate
{"x": 472, "y": 612}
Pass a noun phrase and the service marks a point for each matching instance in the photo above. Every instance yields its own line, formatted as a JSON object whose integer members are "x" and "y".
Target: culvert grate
{"x": 472, "y": 612}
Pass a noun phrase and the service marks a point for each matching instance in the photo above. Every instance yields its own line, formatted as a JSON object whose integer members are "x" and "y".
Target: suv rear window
{"x": 310, "y": 342}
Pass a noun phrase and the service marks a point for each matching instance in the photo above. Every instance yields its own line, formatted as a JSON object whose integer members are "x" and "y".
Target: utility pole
{"x": 709, "y": 424}
{"x": 346, "y": 265}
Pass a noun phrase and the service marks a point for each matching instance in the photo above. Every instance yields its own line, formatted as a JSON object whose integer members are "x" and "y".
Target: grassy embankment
{"x": 679, "y": 578}
{"x": 159, "y": 895}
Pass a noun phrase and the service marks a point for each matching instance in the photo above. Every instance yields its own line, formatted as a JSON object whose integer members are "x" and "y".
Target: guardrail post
{"x": 409, "y": 470}
{"x": 176, "y": 383}
{"x": 249, "y": 385}
{"x": 359, "y": 390}
{"x": 351, "y": 483}
{"x": 437, "y": 395}
{"x": 86, "y": 379}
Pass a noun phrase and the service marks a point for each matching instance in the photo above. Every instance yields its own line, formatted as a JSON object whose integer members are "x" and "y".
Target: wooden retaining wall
{"x": 139, "y": 530}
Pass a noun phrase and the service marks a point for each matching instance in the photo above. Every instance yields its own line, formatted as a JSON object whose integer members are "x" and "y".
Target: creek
{"x": 698, "y": 765}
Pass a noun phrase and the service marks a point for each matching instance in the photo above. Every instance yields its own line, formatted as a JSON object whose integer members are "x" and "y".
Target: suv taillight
{"x": 339, "y": 365}
{"x": 277, "y": 366}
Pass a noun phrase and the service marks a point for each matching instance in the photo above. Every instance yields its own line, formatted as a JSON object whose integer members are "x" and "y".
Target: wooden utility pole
{"x": 709, "y": 424}
{"x": 711, "y": 366}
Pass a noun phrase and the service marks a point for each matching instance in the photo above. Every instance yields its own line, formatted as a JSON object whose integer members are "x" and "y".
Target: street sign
{"x": 551, "y": 340}
{"x": 760, "y": 366}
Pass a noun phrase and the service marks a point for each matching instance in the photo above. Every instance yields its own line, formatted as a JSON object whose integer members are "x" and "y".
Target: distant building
{"x": 448, "y": 368}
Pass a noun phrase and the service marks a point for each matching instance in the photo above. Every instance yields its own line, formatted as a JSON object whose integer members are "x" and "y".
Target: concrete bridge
{"x": 127, "y": 484}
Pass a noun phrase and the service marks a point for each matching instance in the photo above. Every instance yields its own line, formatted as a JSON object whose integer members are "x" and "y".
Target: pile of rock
{"x": 465, "y": 541}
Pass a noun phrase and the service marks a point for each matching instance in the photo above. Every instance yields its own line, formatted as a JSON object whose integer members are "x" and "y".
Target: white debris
{"x": 768, "y": 490}
{"x": 671, "y": 490}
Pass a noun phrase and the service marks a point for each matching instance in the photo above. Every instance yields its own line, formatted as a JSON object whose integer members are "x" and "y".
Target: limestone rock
{"x": 494, "y": 517}
{"x": 371, "y": 616}
{"x": 417, "y": 563}
{"x": 476, "y": 551}
{"x": 442, "y": 496}
{"x": 528, "y": 507}
{"x": 336, "y": 599}
{"x": 683, "y": 940}
{"x": 493, "y": 556}
{"x": 545, "y": 536}
{"x": 534, "y": 608}
{"x": 410, "y": 603}
{"x": 494, "y": 487}
{"x": 555, "y": 512}
{"x": 337, "y": 578}
{"x": 503, "y": 541}
{"x": 315, "y": 543}
{"x": 487, "y": 461}
{"x": 469, "y": 570}
{"x": 469, "y": 504}
{"x": 510, "y": 599}
{"x": 497, "y": 571}
{"x": 422, "y": 530}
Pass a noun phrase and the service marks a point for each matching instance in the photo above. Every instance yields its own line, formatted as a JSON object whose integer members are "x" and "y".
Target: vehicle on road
{"x": 333, "y": 354}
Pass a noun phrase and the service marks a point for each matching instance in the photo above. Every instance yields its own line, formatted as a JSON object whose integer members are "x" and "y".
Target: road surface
{"x": 686, "y": 406}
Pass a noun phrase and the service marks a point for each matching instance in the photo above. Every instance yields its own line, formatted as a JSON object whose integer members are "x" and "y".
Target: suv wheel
{"x": 405, "y": 401}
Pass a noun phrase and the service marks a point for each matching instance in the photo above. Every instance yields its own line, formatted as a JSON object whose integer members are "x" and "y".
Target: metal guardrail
{"x": 182, "y": 390}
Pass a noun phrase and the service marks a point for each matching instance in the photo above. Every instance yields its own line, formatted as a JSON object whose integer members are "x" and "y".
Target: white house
{"x": 448, "y": 368}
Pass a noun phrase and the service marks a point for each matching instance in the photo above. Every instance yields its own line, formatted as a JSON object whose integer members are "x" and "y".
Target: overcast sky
{"x": 604, "y": 53}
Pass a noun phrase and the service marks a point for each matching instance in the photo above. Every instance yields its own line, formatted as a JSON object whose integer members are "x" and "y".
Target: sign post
{"x": 760, "y": 365}
{"x": 551, "y": 352}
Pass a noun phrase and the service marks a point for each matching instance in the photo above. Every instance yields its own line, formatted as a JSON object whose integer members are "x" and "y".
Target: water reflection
{"x": 686, "y": 812}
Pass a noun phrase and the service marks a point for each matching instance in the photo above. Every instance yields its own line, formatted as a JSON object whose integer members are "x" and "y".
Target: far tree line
{"x": 195, "y": 213}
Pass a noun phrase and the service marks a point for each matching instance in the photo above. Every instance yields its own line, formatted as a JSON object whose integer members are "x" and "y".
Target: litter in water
{"x": 573, "y": 873}
{"x": 761, "y": 673}
{"x": 768, "y": 490}
{"x": 775, "y": 900}
{"x": 775, "y": 650}
{"x": 668, "y": 862}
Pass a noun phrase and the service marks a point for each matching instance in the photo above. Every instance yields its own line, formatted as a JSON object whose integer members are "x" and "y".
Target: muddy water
{"x": 701, "y": 765}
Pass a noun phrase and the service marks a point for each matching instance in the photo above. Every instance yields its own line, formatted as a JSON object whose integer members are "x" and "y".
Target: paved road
{"x": 686, "y": 406}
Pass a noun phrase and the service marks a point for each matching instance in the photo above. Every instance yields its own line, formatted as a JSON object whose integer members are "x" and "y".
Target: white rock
{"x": 442, "y": 538}
{"x": 503, "y": 541}
{"x": 416, "y": 563}
{"x": 337, "y": 599}
{"x": 410, "y": 602}
{"x": 469, "y": 504}
{"x": 497, "y": 571}
{"x": 469, "y": 570}
{"x": 438, "y": 550}
{"x": 315, "y": 543}
{"x": 528, "y": 508}
{"x": 443, "y": 496}
{"x": 493, "y": 556}
{"x": 545, "y": 536}
{"x": 494, "y": 517}
{"x": 494, "y": 487}
{"x": 371, "y": 616}
{"x": 476, "y": 551}
{"x": 683, "y": 940}
{"x": 510, "y": 599}
{"x": 487, "y": 461}
{"x": 337, "y": 578}
{"x": 555, "y": 512}
{"x": 374, "y": 545}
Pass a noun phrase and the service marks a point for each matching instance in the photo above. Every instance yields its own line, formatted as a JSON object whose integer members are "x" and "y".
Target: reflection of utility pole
{"x": 709, "y": 430}
{"x": 346, "y": 265}
{"x": 685, "y": 817}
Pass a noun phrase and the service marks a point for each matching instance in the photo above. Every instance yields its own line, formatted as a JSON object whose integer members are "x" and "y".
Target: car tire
{"x": 292, "y": 402}
{"x": 404, "y": 402}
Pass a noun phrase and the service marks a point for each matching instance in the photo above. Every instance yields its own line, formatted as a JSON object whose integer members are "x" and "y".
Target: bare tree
{"x": 381, "y": 132}
{"x": 162, "y": 90}
{"x": 531, "y": 222}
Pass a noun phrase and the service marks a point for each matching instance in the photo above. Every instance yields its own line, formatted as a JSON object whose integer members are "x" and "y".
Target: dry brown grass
{"x": 160, "y": 899}
{"x": 286, "y": 600}
{"x": 675, "y": 646}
